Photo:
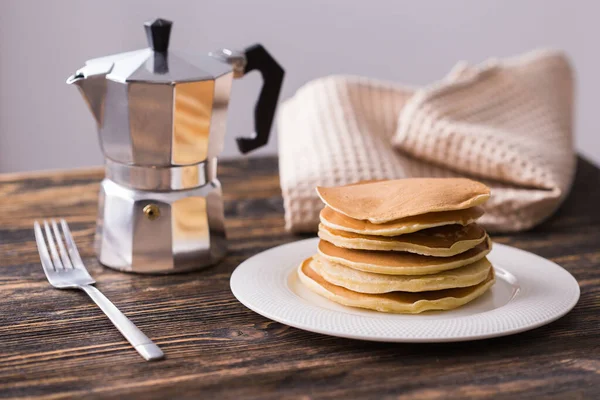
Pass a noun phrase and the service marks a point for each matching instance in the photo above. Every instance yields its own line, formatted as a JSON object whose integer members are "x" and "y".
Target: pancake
{"x": 395, "y": 302}
{"x": 390, "y": 200}
{"x": 401, "y": 263}
{"x": 443, "y": 241}
{"x": 335, "y": 220}
{"x": 368, "y": 282}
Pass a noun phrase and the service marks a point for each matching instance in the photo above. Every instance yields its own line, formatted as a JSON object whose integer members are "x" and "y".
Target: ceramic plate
{"x": 530, "y": 291}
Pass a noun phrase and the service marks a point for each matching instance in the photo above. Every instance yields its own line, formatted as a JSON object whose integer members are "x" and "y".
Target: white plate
{"x": 530, "y": 291}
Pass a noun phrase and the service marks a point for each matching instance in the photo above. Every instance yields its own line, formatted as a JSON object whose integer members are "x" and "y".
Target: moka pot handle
{"x": 258, "y": 58}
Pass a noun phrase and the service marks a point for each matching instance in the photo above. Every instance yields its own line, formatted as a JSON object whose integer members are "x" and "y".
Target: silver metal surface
{"x": 161, "y": 118}
{"x": 114, "y": 131}
{"x": 92, "y": 85}
{"x": 139, "y": 66}
{"x": 235, "y": 58}
{"x": 162, "y": 179}
{"x": 150, "y": 123}
{"x": 218, "y": 124}
{"x": 156, "y": 124}
{"x": 176, "y": 69}
{"x": 64, "y": 269}
{"x": 189, "y": 234}
{"x": 193, "y": 110}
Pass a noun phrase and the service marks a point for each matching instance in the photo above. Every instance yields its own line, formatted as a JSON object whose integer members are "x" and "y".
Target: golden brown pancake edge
{"x": 444, "y": 241}
{"x": 368, "y": 282}
{"x": 396, "y": 302}
{"x": 334, "y": 220}
{"x": 400, "y": 263}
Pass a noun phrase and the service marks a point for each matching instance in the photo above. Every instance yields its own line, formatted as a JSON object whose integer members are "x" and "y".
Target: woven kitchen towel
{"x": 507, "y": 123}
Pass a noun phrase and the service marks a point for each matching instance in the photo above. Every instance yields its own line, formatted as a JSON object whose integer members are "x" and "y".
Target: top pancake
{"x": 385, "y": 201}
{"x": 335, "y": 220}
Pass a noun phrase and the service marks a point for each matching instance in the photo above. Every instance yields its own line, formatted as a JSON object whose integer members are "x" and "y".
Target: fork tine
{"x": 61, "y": 247}
{"x": 42, "y": 249}
{"x": 58, "y": 265}
{"x": 71, "y": 247}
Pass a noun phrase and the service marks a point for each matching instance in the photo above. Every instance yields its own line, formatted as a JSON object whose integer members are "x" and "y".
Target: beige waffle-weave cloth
{"x": 506, "y": 123}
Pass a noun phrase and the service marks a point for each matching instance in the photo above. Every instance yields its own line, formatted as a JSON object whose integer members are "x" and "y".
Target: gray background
{"x": 44, "y": 123}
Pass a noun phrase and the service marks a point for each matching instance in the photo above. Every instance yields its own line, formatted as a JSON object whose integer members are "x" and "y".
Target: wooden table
{"x": 57, "y": 344}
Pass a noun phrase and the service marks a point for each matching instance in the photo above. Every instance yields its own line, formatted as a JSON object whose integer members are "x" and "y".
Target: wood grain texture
{"x": 58, "y": 344}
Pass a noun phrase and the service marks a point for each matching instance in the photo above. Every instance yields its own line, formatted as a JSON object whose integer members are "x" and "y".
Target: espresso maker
{"x": 161, "y": 119}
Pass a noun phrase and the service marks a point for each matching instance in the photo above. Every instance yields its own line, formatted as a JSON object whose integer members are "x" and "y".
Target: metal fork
{"x": 68, "y": 272}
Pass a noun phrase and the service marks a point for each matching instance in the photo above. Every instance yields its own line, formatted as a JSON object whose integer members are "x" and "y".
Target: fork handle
{"x": 138, "y": 340}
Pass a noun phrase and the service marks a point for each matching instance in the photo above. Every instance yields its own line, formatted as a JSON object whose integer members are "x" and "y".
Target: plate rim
{"x": 399, "y": 339}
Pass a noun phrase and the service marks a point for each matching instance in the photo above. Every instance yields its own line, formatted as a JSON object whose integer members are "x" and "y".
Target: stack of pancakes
{"x": 401, "y": 246}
